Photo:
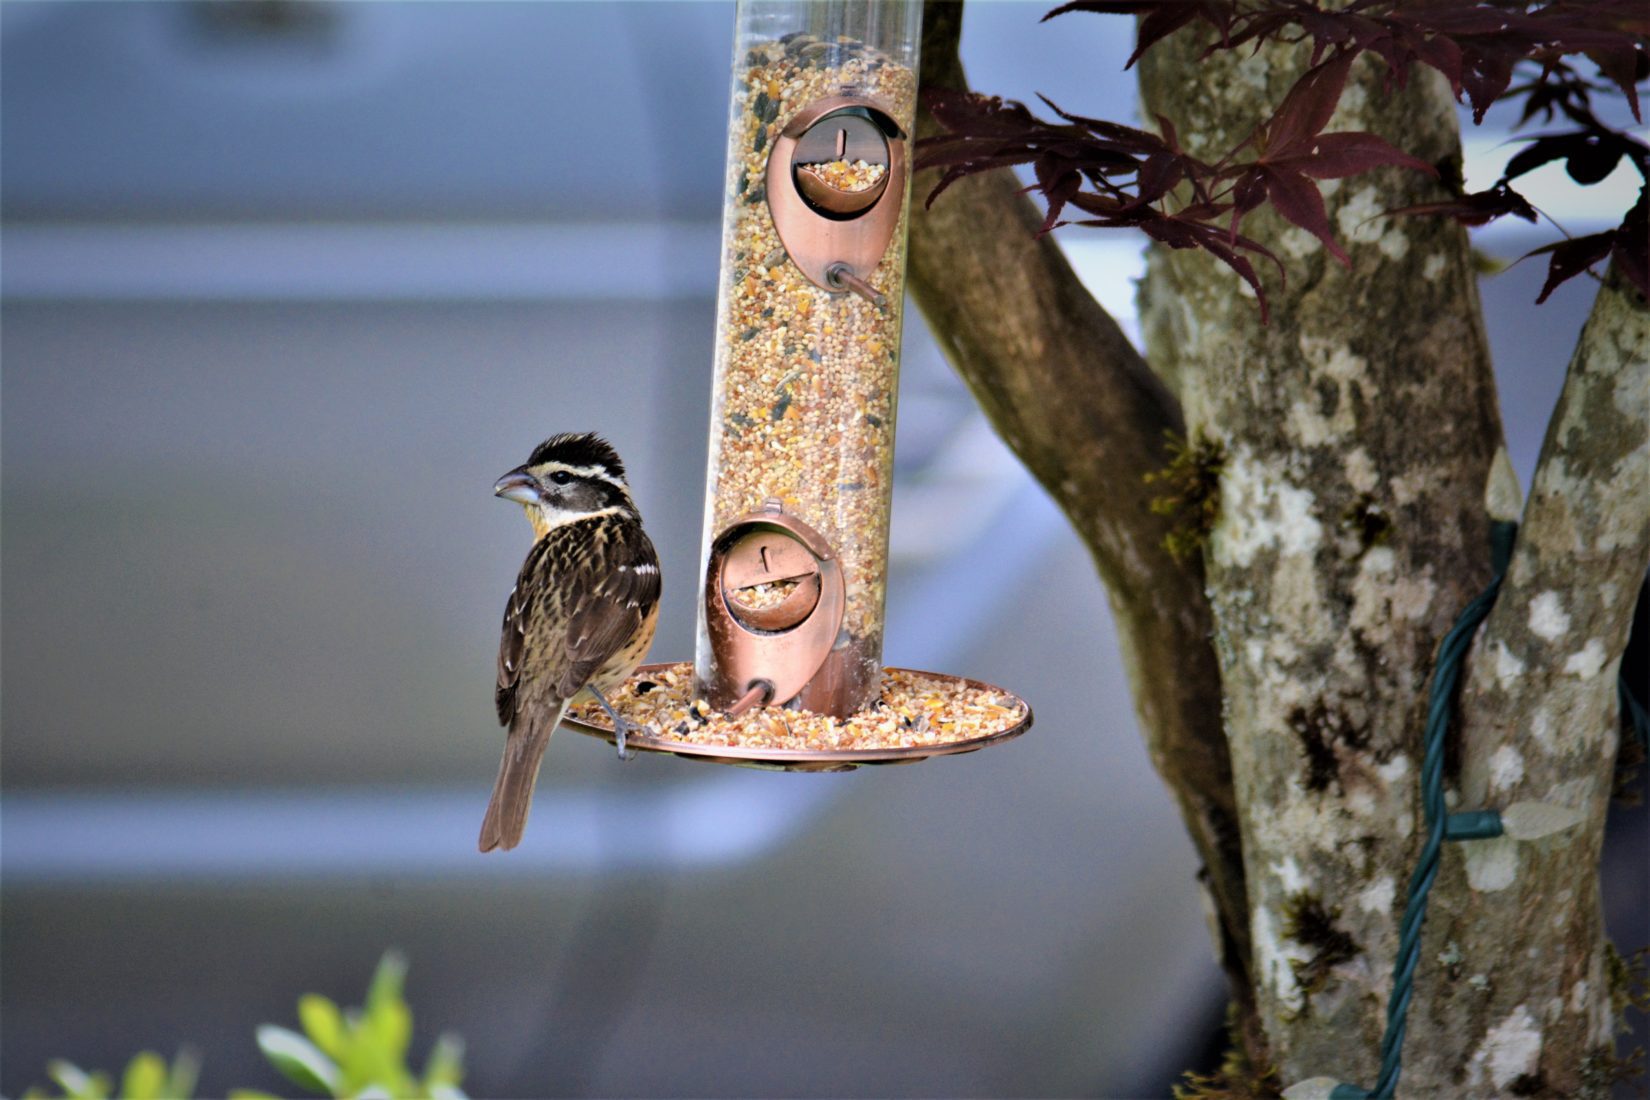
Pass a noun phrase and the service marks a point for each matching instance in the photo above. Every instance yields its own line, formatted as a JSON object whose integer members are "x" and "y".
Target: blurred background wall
{"x": 286, "y": 286}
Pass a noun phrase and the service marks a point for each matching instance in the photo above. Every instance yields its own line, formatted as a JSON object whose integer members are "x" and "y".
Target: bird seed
{"x": 851, "y": 176}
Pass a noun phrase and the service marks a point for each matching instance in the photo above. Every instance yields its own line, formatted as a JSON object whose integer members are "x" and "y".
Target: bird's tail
{"x": 512, "y": 797}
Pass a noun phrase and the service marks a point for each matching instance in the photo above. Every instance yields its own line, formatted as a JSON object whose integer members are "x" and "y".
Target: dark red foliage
{"x": 1627, "y": 244}
{"x": 1479, "y": 208}
{"x": 1122, "y": 176}
{"x": 1474, "y": 43}
{"x": 1294, "y": 153}
{"x": 1588, "y": 155}
{"x": 1158, "y": 18}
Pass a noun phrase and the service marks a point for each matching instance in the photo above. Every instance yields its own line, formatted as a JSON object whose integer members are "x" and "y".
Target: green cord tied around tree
{"x": 1521, "y": 820}
{"x": 1446, "y": 678}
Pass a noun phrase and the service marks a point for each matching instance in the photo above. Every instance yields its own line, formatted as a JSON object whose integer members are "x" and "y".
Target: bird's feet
{"x": 622, "y": 727}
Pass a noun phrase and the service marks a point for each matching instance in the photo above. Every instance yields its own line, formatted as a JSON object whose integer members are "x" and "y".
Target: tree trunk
{"x": 1358, "y": 429}
{"x": 1354, "y": 440}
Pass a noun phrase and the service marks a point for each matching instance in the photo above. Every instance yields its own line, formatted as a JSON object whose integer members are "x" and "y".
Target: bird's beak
{"x": 518, "y": 485}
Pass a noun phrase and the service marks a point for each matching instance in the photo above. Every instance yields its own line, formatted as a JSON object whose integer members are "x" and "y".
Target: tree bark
{"x": 1075, "y": 401}
{"x": 1540, "y": 723}
{"x": 1359, "y": 428}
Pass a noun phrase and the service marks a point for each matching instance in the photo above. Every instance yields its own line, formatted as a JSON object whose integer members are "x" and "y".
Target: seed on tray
{"x": 946, "y": 710}
{"x": 846, "y": 175}
{"x": 761, "y": 597}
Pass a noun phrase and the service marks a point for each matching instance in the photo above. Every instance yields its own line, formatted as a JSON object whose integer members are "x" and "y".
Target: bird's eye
{"x": 561, "y": 477}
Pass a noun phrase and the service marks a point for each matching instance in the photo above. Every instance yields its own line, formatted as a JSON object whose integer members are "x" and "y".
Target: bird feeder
{"x": 799, "y": 481}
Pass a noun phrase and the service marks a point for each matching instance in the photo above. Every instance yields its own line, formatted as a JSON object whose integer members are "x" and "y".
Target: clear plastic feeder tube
{"x": 809, "y": 308}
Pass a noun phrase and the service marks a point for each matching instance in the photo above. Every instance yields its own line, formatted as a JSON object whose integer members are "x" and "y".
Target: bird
{"x": 580, "y": 617}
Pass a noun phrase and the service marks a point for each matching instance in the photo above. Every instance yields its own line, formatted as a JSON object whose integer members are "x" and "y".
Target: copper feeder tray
{"x": 801, "y": 760}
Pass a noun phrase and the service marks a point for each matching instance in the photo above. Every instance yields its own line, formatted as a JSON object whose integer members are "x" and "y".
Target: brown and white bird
{"x": 580, "y": 617}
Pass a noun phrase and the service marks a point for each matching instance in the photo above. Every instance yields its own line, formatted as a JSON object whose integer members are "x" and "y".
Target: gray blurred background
{"x": 285, "y": 288}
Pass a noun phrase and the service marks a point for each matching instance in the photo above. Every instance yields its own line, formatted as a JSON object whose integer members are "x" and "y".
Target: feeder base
{"x": 918, "y": 715}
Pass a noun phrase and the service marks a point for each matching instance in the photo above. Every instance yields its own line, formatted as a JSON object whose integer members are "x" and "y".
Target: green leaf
{"x": 377, "y": 1054}
{"x": 145, "y": 1078}
{"x": 445, "y": 1065}
{"x": 186, "y": 1071}
{"x": 387, "y": 980}
{"x": 323, "y": 1023}
{"x": 251, "y": 1094}
{"x": 390, "y": 1024}
{"x": 299, "y": 1060}
{"x": 371, "y": 1063}
{"x": 76, "y": 1083}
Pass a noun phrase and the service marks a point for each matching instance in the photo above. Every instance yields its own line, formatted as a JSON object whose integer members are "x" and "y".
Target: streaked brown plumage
{"x": 582, "y": 613}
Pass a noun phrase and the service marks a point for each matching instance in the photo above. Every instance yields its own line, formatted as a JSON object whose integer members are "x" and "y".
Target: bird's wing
{"x": 609, "y": 603}
{"x": 513, "y": 639}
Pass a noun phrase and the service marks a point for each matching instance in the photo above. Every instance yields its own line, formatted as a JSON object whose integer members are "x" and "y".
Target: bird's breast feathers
{"x": 584, "y": 607}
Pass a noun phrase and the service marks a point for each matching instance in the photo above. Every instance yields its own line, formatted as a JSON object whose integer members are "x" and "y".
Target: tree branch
{"x": 1560, "y": 625}
{"x": 1539, "y": 710}
{"x": 1078, "y": 405}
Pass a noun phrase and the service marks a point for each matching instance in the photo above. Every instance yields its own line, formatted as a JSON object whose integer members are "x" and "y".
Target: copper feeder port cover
{"x": 824, "y": 227}
{"x": 843, "y": 135}
{"x": 781, "y": 645}
{"x": 764, "y": 562}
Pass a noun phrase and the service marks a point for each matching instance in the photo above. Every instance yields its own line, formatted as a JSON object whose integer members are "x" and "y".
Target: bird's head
{"x": 567, "y": 478}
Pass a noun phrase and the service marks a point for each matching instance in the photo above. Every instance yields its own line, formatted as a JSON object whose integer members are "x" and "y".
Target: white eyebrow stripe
{"x": 595, "y": 473}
